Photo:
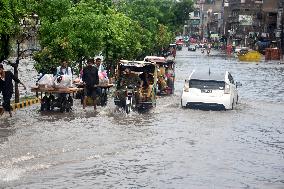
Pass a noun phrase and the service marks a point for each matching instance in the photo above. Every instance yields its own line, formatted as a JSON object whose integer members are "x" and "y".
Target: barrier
{"x": 25, "y": 103}
{"x": 273, "y": 54}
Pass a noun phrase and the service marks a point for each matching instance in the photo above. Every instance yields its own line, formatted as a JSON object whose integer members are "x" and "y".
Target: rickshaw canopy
{"x": 155, "y": 59}
{"x": 137, "y": 66}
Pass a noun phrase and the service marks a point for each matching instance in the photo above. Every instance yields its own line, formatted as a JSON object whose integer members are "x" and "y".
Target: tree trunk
{"x": 17, "y": 94}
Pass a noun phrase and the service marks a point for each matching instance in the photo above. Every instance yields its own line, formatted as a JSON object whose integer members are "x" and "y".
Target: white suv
{"x": 210, "y": 90}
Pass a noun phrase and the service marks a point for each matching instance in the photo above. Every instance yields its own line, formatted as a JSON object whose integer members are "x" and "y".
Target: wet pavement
{"x": 168, "y": 147}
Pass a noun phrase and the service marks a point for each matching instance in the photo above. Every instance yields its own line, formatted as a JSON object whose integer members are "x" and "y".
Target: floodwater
{"x": 168, "y": 147}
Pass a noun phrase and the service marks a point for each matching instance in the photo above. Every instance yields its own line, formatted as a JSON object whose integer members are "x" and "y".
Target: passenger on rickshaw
{"x": 170, "y": 76}
{"x": 129, "y": 79}
{"x": 162, "y": 84}
{"x": 146, "y": 84}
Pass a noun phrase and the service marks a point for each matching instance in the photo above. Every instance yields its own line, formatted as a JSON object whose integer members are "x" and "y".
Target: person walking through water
{"x": 6, "y": 87}
{"x": 90, "y": 78}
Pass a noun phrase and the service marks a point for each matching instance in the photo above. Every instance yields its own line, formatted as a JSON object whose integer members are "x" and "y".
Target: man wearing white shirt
{"x": 64, "y": 69}
{"x": 98, "y": 65}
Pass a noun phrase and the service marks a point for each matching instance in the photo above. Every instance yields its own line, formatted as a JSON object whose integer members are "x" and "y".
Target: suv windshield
{"x": 206, "y": 84}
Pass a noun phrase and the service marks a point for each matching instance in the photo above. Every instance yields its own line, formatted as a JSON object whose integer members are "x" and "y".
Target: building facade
{"x": 239, "y": 21}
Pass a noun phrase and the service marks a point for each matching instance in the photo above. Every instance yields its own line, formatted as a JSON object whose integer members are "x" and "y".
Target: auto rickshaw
{"x": 136, "y": 84}
{"x": 165, "y": 75}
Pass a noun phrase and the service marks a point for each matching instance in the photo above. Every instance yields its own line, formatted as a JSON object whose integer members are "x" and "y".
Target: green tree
{"x": 11, "y": 11}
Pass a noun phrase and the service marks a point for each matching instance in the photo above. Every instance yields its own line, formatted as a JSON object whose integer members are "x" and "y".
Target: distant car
{"x": 191, "y": 47}
{"x": 210, "y": 91}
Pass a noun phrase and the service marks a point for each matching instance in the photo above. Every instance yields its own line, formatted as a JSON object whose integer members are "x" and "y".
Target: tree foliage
{"x": 128, "y": 29}
{"x": 11, "y": 12}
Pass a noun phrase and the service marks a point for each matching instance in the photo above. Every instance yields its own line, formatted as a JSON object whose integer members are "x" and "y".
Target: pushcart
{"x": 51, "y": 98}
{"x": 102, "y": 91}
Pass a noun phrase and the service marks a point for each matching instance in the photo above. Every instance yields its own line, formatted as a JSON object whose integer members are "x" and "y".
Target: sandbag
{"x": 63, "y": 81}
{"x": 46, "y": 81}
{"x": 103, "y": 79}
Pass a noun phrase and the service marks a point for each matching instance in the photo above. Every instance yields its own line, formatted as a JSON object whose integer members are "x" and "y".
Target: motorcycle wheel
{"x": 128, "y": 109}
{"x": 128, "y": 104}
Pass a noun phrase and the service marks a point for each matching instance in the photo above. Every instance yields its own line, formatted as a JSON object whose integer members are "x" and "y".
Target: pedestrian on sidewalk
{"x": 6, "y": 87}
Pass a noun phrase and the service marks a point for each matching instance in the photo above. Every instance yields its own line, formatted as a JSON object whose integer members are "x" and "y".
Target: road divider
{"x": 25, "y": 103}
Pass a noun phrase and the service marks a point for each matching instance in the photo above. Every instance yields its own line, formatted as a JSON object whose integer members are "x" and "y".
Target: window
{"x": 206, "y": 84}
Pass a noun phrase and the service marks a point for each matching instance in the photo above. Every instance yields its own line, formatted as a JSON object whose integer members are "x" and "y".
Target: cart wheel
{"x": 103, "y": 100}
{"x": 62, "y": 109}
{"x": 42, "y": 107}
{"x": 70, "y": 100}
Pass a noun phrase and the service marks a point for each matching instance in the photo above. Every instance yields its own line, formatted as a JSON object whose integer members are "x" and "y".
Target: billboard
{"x": 245, "y": 20}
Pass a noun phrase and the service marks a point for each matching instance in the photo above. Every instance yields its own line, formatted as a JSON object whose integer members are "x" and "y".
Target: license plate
{"x": 206, "y": 90}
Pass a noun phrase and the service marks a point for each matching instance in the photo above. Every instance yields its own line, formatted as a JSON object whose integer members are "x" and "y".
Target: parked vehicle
{"x": 210, "y": 91}
{"x": 166, "y": 74}
{"x": 136, "y": 84}
{"x": 192, "y": 47}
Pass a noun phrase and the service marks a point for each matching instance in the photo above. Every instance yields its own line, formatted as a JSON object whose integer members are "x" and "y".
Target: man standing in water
{"x": 6, "y": 87}
{"x": 91, "y": 79}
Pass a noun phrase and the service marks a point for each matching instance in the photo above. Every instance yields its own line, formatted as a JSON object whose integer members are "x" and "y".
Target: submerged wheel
{"x": 233, "y": 104}
{"x": 237, "y": 99}
{"x": 181, "y": 104}
{"x": 67, "y": 109}
{"x": 42, "y": 107}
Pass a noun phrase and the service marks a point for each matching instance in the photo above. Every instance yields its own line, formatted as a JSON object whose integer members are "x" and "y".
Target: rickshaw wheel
{"x": 42, "y": 107}
{"x": 61, "y": 109}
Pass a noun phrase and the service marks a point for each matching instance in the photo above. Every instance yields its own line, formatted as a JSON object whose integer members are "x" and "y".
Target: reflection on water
{"x": 167, "y": 147}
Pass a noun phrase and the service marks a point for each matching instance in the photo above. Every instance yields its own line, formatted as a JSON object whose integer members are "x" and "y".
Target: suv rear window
{"x": 206, "y": 84}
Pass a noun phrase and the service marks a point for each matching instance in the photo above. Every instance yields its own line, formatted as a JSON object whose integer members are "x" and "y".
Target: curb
{"x": 25, "y": 103}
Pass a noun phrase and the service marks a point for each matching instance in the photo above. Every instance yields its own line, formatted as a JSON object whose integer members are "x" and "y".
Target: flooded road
{"x": 168, "y": 147}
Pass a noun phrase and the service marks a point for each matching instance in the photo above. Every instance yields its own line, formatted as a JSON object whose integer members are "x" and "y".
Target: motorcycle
{"x": 130, "y": 101}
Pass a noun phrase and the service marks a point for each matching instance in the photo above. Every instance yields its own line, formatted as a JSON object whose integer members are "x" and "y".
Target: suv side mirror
{"x": 238, "y": 84}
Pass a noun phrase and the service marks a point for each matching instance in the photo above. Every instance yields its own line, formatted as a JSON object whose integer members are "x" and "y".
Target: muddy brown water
{"x": 168, "y": 147}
